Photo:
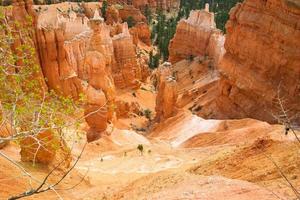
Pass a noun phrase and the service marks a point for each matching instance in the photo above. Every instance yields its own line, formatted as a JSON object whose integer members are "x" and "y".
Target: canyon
{"x": 218, "y": 120}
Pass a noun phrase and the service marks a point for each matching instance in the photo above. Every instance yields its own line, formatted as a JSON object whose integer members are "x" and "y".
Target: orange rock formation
{"x": 262, "y": 57}
{"x": 167, "y": 93}
{"x": 162, "y": 4}
{"x": 46, "y": 148}
{"x": 197, "y": 36}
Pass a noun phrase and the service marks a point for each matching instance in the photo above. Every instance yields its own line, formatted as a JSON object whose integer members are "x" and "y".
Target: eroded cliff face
{"x": 262, "y": 58}
{"x": 130, "y": 11}
{"x": 87, "y": 56}
{"x": 64, "y": 41}
{"x": 166, "y": 100}
{"x": 154, "y": 4}
{"x": 127, "y": 71}
{"x": 197, "y": 36}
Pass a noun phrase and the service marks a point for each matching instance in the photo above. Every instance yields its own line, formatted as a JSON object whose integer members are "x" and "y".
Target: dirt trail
{"x": 185, "y": 157}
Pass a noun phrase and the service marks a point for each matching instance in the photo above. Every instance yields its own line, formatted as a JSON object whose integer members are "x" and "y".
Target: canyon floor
{"x": 201, "y": 118}
{"x": 185, "y": 157}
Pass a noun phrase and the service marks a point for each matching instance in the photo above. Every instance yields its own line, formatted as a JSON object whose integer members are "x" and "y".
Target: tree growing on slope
{"x": 140, "y": 147}
{"x": 27, "y": 108}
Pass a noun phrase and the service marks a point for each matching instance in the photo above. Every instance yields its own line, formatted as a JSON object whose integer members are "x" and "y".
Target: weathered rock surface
{"x": 45, "y": 148}
{"x": 130, "y": 11}
{"x": 127, "y": 71}
{"x": 5, "y": 130}
{"x": 197, "y": 36}
{"x": 167, "y": 93}
{"x": 262, "y": 57}
{"x": 141, "y": 32}
{"x": 64, "y": 43}
{"x": 125, "y": 109}
{"x": 154, "y": 4}
{"x": 56, "y": 62}
{"x": 96, "y": 113}
{"x": 112, "y": 15}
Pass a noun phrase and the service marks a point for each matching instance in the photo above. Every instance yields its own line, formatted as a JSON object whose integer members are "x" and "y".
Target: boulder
{"x": 45, "y": 148}
{"x": 96, "y": 113}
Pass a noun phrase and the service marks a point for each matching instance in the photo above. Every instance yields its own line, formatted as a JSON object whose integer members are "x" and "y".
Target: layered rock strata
{"x": 45, "y": 148}
{"x": 262, "y": 60}
{"x": 167, "y": 93}
{"x": 197, "y": 36}
{"x": 127, "y": 72}
{"x": 153, "y": 4}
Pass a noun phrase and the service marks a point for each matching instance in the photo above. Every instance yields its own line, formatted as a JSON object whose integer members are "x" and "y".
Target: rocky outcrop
{"x": 101, "y": 91}
{"x": 65, "y": 41}
{"x": 5, "y": 130}
{"x": 96, "y": 112}
{"x": 126, "y": 109}
{"x": 154, "y": 4}
{"x": 262, "y": 58}
{"x": 112, "y": 15}
{"x": 197, "y": 36}
{"x": 167, "y": 93}
{"x": 58, "y": 67}
{"x": 141, "y": 32}
{"x": 45, "y": 148}
{"x": 130, "y": 11}
{"x": 127, "y": 71}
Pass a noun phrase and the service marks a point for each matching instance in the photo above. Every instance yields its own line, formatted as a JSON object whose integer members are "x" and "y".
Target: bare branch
{"x": 40, "y": 189}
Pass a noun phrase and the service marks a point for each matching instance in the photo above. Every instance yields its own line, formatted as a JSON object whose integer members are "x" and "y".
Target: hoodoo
{"x": 150, "y": 99}
{"x": 197, "y": 36}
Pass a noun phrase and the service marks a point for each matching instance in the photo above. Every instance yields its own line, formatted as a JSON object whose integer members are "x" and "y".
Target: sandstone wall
{"x": 167, "y": 95}
{"x": 154, "y": 4}
{"x": 262, "y": 56}
{"x": 127, "y": 72}
{"x": 197, "y": 36}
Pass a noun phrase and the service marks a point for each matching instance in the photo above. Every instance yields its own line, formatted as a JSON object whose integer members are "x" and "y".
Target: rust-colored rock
{"x": 154, "y": 4}
{"x": 130, "y": 11}
{"x": 96, "y": 113}
{"x": 5, "y": 130}
{"x": 112, "y": 15}
{"x": 101, "y": 91}
{"x": 262, "y": 58}
{"x": 197, "y": 36}
{"x": 45, "y": 148}
{"x": 125, "y": 109}
{"x": 59, "y": 72}
{"x": 167, "y": 93}
{"x": 141, "y": 32}
{"x": 127, "y": 71}
{"x": 65, "y": 40}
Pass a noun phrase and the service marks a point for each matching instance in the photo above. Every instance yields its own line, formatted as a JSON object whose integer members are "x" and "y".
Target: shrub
{"x": 140, "y": 147}
{"x": 148, "y": 113}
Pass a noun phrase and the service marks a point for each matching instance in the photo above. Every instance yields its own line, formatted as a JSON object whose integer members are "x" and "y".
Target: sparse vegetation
{"x": 140, "y": 147}
{"x": 130, "y": 21}
{"x": 26, "y": 106}
{"x": 148, "y": 114}
{"x": 104, "y": 8}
